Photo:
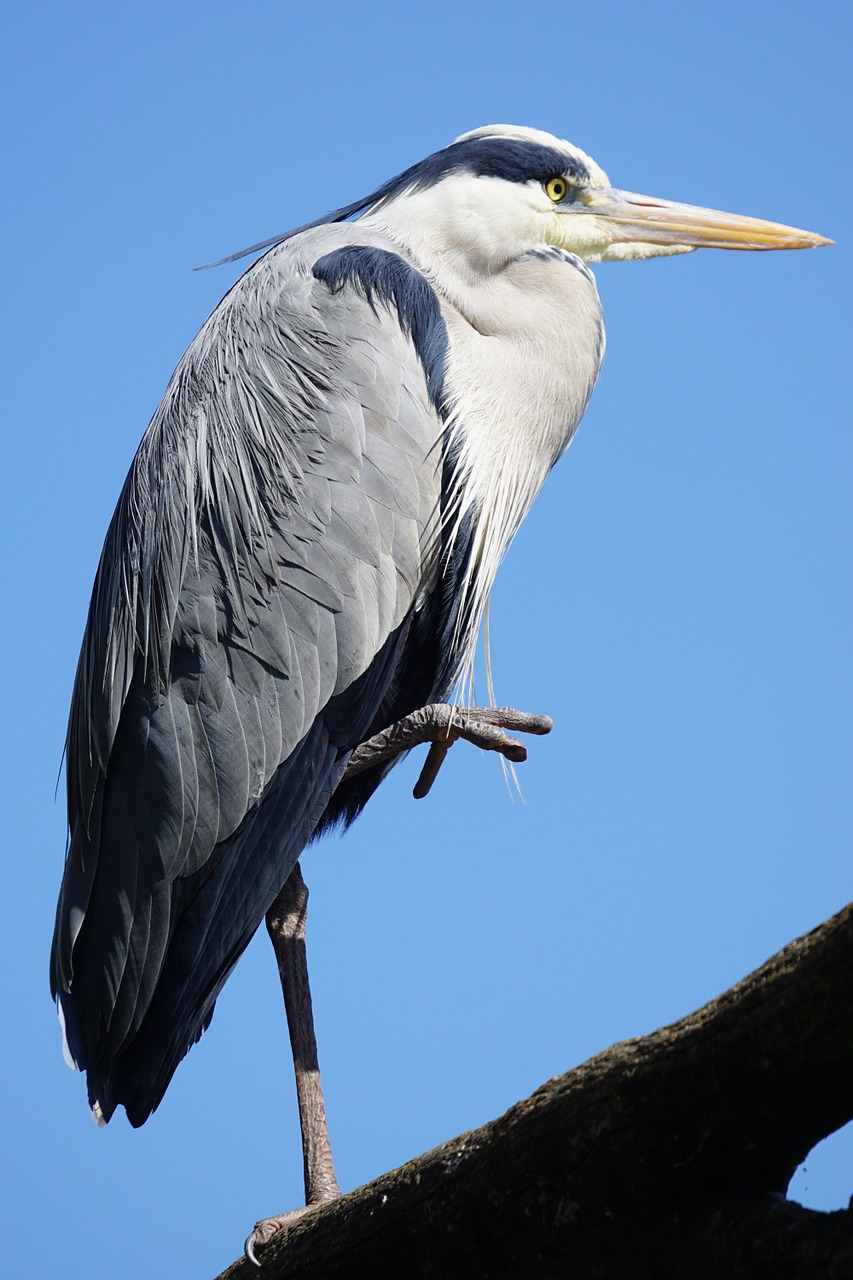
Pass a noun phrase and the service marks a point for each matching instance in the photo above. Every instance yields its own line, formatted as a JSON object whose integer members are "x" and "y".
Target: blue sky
{"x": 678, "y": 600}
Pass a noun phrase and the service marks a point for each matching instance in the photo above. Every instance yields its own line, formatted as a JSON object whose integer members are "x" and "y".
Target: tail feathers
{"x": 215, "y": 917}
{"x": 78, "y": 1063}
{"x": 67, "y": 1053}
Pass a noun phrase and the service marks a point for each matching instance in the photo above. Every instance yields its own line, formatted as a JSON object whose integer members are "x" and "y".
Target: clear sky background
{"x": 679, "y": 599}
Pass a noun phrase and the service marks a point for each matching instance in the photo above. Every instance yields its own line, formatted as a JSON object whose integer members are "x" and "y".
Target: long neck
{"x": 526, "y": 340}
{"x": 524, "y": 354}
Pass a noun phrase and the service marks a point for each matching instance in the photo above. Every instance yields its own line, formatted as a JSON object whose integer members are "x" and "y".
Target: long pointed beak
{"x": 645, "y": 220}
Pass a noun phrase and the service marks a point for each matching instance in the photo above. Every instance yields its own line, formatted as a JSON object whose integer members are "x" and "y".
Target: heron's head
{"x": 504, "y": 190}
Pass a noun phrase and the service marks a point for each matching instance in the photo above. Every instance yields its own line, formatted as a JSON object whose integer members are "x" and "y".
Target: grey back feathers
{"x": 301, "y": 554}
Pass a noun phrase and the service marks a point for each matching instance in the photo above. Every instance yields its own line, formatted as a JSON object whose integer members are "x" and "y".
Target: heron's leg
{"x": 286, "y": 926}
{"x": 441, "y": 725}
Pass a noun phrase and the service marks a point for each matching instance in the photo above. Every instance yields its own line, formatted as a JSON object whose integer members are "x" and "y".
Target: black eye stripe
{"x": 514, "y": 159}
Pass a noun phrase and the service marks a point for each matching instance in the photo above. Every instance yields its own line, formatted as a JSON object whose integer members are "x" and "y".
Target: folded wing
{"x": 270, "y": 570}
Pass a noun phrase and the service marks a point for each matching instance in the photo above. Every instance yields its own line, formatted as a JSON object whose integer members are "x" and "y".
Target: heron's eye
{"x": 556, "y": 188}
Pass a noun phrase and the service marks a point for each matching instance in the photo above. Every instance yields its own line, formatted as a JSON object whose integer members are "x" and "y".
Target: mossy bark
{"x": 666, "y": 1156}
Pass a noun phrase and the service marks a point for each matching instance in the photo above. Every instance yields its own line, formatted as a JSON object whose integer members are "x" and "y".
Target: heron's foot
{"x": 264, "y": 1230}
{"x": 441, "y": 725}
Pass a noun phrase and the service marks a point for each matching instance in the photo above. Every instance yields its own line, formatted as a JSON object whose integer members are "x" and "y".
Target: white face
{"x": 474, "y": 225}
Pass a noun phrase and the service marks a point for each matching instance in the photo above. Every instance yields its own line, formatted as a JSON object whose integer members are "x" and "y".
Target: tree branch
{"x": 664, "y": 1156}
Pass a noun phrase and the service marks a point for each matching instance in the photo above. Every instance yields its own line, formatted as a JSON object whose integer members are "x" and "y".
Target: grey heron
{"x": 299, "y": 564}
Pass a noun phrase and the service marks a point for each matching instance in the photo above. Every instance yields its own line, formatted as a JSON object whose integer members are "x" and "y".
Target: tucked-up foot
{"x": 441, "y": 725}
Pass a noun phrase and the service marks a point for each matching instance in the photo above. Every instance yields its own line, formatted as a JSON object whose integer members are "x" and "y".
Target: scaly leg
{"x": 286, "y": 927}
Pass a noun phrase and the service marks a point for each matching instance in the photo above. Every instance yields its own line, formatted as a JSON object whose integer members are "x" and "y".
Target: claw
{"x": 264, "y": 1231}
{"x": 268, "y": 1227}
{"x": 249, "y": 1249}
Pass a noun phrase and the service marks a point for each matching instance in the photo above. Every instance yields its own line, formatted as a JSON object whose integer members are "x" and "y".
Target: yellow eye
{"x": 556, "y": 188}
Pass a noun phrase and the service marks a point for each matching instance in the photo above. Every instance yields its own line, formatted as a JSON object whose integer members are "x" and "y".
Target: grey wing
{"x": 275, "y": 532}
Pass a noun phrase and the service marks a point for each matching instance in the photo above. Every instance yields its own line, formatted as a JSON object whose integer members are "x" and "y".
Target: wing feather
{"x": 277, "y": 529}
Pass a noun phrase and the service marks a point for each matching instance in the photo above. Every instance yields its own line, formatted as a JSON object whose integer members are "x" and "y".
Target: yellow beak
{"x": 636, "y": 219}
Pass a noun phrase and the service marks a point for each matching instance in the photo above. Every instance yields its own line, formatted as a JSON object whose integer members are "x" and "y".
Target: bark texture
{"x": 667, "y": 1156}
